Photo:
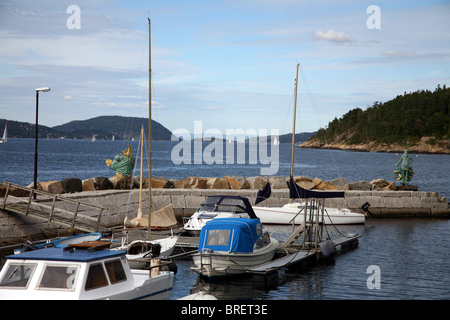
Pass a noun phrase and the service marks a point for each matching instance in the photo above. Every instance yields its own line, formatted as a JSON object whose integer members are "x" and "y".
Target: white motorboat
{"x": 138, "y": 252}
{"x": 231, "y": 246}
{"x": 218, "y": 207}
{"x": 80, "y": 272}
{"x": 294, "y": 213}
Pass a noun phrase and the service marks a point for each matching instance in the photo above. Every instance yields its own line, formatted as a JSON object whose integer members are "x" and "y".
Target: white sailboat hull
{"x": 284, "y": 215}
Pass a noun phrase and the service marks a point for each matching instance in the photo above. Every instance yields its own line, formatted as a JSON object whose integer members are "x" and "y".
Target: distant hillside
{"x": 123, "y": 128}
{"x": 103, "y": 127}
{"x": 418, "y": 120}
{"x": 298, "y": 138}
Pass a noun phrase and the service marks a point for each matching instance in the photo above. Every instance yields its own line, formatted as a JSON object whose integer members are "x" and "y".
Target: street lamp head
{"x": 43, "y": 89}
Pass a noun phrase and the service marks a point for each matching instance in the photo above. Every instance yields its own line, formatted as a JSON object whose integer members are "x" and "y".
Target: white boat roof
{"x": 59, "y": 254}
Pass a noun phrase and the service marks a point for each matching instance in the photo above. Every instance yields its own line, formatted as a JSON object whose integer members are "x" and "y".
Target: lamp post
{"x": 43, "y": 89}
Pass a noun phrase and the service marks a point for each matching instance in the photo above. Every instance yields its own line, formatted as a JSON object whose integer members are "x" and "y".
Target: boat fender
{"x": 328, "y": 249}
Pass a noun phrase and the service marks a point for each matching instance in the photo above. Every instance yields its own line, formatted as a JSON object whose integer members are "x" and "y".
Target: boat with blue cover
{"x": 84, "y": 271}
{"x": 232, "y": 246}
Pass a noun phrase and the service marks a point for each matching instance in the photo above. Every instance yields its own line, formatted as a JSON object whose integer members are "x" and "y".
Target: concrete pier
{"x": 124, "y": 203}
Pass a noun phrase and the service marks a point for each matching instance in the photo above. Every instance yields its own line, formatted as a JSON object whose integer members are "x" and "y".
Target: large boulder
{"x": 360, "y": 185}
{"x": 339, "y": 183}
{"x": 218, "y": 183}
{"x": 55, "y": 187}
{"x": 158, "y": 182}
{"x": 257, "y": 182}
{"x": 380, "y": 183}
{"x": 72, "y": 185}
{"x": 278, "y": 183}
{"x": 199, "y": 183}
{"x": 102, "y": 183}
{"x": 237, "y": 182}
{"x": 183, "y": 183}
{"x": 88, "y": 185}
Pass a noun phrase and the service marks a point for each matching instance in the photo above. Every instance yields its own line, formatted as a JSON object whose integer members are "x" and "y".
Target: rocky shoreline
{"x": 424, "y": 145}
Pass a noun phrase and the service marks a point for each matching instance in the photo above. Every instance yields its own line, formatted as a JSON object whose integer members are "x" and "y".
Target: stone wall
{"x": 125, "y": 203}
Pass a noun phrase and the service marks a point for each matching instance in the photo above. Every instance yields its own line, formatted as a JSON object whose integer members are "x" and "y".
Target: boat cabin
{"x": 58, "y": 274}
{"x": 239, "y": 235}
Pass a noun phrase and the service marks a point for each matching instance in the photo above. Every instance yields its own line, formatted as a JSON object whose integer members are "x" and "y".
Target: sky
{"x": 230, "y": 64}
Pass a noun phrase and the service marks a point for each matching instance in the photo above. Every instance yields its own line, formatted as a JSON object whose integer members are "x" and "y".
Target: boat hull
{"x": 220, "y": 263}
{"x": 285, "y": 214}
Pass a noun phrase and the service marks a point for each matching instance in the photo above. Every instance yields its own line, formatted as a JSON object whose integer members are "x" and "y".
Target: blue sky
{"x": 230, "y": 64}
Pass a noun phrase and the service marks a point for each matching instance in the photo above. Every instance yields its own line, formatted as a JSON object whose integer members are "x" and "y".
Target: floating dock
{"x": 293, "y": 256}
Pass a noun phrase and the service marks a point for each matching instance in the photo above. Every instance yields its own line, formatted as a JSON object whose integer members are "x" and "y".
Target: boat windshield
{"x": 223, "y": 204}
{"x": 18, "y": 275}
{"x": 59, "y": 277}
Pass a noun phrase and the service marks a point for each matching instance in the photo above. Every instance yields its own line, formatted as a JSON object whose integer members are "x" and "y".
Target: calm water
{"x": 413, "y": 255}
{"x": 59, "y": 159}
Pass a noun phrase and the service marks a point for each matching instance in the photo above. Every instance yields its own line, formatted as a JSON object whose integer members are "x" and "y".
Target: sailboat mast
{"x": 141, "y": 141}
{"x": 293, "y": 126}
{"x": 149, "y": 130}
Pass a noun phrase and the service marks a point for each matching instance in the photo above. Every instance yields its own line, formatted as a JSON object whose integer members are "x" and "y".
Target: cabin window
{"x": 96, "y": 277}
{"x": 115, "y": 271}
{"x": 218, "y": 238}
{"x": 58, "y": 277}
{"x": 18, "y": 275}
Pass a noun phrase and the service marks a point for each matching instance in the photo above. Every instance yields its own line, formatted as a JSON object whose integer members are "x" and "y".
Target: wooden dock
{"x": 53, "y": 208}
{"x": 291, "y": 256}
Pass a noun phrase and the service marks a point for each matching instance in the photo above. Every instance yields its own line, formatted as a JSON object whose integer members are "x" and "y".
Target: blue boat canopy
{"x": 59, "y": 254}
{"x": 230, "y": 234}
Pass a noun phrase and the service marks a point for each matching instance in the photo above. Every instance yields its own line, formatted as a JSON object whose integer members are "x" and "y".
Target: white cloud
{"x": 68, "y": 98}
{"x": 331, "y": 35}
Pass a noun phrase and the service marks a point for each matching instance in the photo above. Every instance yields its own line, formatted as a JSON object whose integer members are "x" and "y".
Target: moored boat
{"x": 294, "y": 213}
{"x": 218, "y": 207}
{"x": 138, "y": 252}
{"x": 80, "y": 272}
{"x": 231, "y": 246}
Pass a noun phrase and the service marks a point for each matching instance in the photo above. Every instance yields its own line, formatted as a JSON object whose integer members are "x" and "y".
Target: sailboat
{"x": 136, "y": 250}
{"x": 5, "y": 134}
{"x": 293, "y": 213}
{"x": 275, "y": 141}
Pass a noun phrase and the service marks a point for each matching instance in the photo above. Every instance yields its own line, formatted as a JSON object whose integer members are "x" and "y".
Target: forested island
{"x": 419, "y": 121}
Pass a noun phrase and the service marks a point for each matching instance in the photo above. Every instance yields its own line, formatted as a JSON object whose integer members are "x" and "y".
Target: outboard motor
{"x": 156, "y": 250}
{"x": 365, "y": 206}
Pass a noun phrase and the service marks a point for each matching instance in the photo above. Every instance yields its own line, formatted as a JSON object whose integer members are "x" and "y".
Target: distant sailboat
{"x": 5, "y": 134}
{"x": 275, "y": 141}
{"x": 93, "y": 138}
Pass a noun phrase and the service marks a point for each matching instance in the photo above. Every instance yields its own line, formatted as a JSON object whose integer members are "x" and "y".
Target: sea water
{"x": 396, "y": 258}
